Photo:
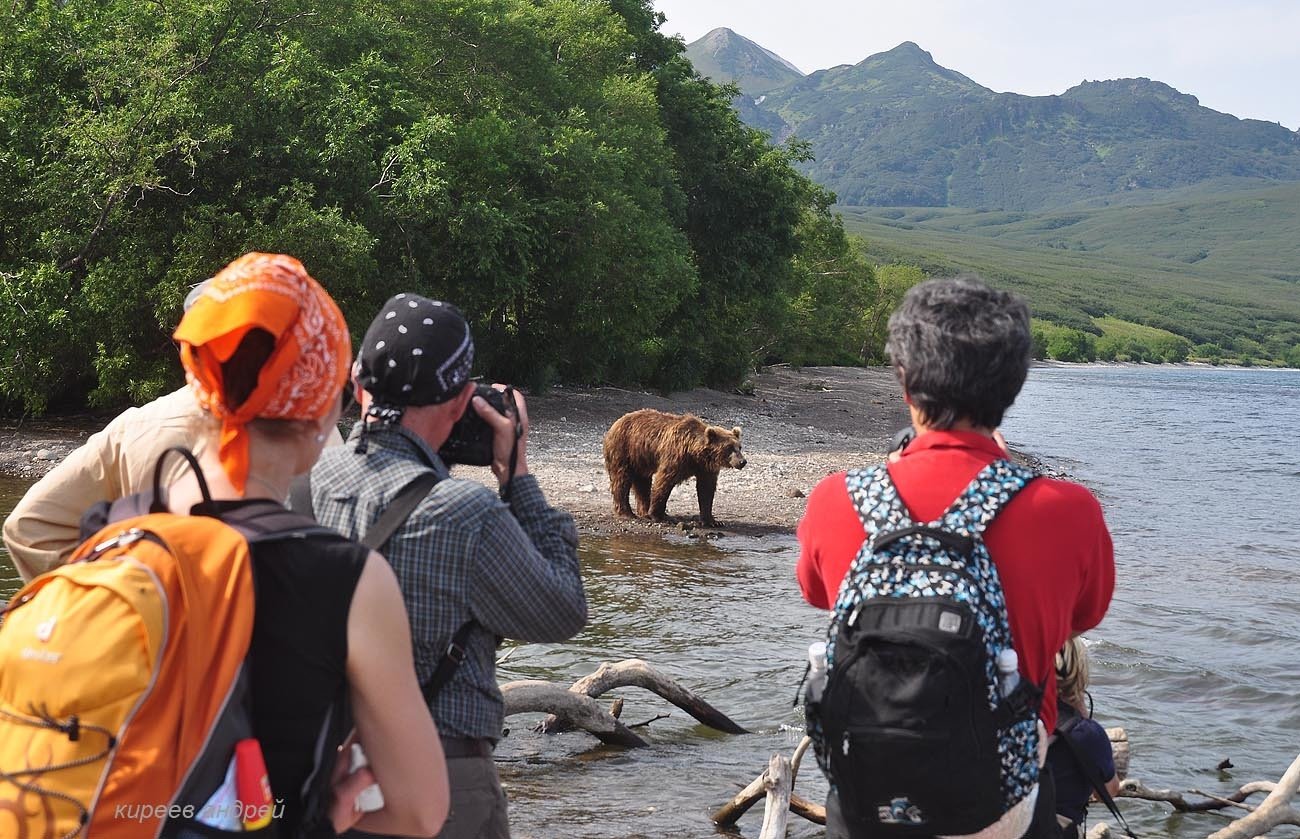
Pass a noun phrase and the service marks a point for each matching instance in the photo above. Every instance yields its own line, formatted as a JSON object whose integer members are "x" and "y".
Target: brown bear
{"x": 650, "y": 452}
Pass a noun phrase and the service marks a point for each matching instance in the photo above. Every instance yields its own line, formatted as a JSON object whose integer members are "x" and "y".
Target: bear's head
{"x": 723, "y": 448}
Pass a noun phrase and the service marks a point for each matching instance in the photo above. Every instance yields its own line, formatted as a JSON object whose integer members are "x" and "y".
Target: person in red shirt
{"x": 962, "y": 351}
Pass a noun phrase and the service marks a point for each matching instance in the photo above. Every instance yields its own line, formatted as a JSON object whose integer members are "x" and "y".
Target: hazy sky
{"x": 1238, "y": 56}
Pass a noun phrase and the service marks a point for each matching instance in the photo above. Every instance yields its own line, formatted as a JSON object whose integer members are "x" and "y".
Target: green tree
{"x": 1213, "y": 353}
{"x": 1071, "y": 345}
{"x": 1038, "y": 341}
{"x": 892, "y": 283}
{"x": 835, "y": 287}
{"x": 553, "y": 166}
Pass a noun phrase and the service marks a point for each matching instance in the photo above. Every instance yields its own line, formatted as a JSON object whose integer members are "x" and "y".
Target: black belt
{"x": 466, "y": 747}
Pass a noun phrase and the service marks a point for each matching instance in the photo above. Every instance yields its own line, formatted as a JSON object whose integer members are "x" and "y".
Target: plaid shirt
{"x": 462, "y": 554}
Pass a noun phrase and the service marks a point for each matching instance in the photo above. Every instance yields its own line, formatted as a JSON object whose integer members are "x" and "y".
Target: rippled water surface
{"x": 1199, "y": 476}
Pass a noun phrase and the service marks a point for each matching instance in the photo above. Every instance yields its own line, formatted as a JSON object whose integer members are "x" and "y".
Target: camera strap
{"x": 514, "y": 450}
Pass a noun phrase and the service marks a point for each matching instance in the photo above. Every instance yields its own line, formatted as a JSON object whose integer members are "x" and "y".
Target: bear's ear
{"x": 736, "y": 431}
{"x": 711, "y": 434}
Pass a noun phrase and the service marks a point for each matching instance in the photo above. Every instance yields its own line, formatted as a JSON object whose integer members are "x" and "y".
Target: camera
{"x": 471, "y": 437}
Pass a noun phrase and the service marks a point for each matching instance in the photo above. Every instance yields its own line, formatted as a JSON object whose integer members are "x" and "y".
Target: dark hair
{"x": 239, "y": 375}
{"x": 239, "y": 372}
{"x": 961, "y": 349}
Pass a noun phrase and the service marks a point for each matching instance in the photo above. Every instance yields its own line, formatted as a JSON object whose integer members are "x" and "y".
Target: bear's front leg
{"x": 705, "y": 487}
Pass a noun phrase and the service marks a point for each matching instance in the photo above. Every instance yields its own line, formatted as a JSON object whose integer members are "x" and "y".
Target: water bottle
{"x": 371, "y": 798}
{"x": 1008, "y": 671}
{"x": 816, "y": 671}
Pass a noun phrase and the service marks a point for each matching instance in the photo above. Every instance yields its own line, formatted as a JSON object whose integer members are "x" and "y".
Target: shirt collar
{"x": 954, "y": 440}
{"x": 400, "y": 438}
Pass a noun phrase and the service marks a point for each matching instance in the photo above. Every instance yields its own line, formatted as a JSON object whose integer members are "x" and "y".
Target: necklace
{"x": 276, "y": 492}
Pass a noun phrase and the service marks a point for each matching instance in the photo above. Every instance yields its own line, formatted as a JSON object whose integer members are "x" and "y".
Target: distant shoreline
{"x": 1187, "y": 365}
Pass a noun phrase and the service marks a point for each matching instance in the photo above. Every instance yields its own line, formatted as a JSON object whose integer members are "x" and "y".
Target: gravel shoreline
{"x": 798, "y": 426}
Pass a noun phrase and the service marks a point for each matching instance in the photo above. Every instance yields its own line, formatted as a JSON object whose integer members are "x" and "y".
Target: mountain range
{"x": 898, "y": 129}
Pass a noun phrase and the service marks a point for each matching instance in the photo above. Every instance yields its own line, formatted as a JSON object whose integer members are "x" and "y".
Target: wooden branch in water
{"x": 1275, "y": 810}
{"x": 1119, "y": 748}
{"x": 797, "y": 759}
{"x": 800, "y": 806}
{"x": 1133, "y": 788}
{"x": 655, "y": 718}
{"x": 776, "y": 814}
{"x": 580, "y": 711}
{"x": 636, "y": 673}
{"x": 728, "y": 814}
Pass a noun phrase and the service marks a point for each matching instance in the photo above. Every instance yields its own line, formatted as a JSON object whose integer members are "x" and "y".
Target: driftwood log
{"x": 636, "y": 673}
{"x": 1274, "y": 811}
{"x": 529, "y": 695}
{"x": 576, "y": 706}
{"x": 777, "y": 784}
{"x": 767, "y": 784}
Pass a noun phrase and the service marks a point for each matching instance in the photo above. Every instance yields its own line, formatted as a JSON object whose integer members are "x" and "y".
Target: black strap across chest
{"x": 392, "y": 518}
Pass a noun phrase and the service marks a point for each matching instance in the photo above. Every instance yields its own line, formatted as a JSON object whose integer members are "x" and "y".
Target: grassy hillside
{"x": 1215, "y": 269}
{"x": 1257, "y": 231}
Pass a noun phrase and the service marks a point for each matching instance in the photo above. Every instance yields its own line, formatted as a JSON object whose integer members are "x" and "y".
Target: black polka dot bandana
{"x": 417, "y": 351}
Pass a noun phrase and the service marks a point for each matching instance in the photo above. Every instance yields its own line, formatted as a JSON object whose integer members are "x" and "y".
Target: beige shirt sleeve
{"x": 43, "y": 529}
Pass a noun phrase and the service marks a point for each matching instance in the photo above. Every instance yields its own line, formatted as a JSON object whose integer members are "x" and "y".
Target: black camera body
{"x": 471, "y": 437}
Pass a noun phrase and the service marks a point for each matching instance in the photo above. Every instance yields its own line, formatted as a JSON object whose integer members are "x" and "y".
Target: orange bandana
{"x": 305, "y": 373}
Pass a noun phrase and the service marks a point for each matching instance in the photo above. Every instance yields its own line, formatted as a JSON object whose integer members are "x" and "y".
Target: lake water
{"x": 1197, "y": 658}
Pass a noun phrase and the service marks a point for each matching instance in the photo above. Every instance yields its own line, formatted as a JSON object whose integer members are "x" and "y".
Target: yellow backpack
{"x": 122, "y": 697}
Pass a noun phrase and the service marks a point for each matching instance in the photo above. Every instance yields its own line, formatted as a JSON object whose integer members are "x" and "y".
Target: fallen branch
{"x": 579, "y": 711}
{"x": 776, "y": 813}
{"x": 636, "y": 673}
{"x": 1119, "y": 749}
{"x": 647, "y": 722}
{"x": 797, "y": 759}
{"x": 800, "y": 806}
{"x": 1133, "y": 788}
{"x": 1275, "y": 810}
{"x": 728, "y": 814}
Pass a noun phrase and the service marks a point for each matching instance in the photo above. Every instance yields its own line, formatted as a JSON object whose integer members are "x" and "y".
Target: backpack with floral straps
{"x": 912, "y": 728}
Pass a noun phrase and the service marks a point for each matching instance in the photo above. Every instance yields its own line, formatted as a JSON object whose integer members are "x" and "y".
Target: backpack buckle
{"x": 121, "y": 540}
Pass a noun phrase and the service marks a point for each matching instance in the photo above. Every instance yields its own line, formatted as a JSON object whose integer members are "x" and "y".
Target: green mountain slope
{"x": 1216, "y": 269}
{"x": 724, "y": 56}
{"x": 900, "y": 130}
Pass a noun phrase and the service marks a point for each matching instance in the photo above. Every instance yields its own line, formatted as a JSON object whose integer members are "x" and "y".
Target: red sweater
{"x": 1050, "y": 545}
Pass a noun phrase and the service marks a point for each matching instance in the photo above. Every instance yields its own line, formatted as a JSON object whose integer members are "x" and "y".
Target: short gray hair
{"x": 962, "y": 350}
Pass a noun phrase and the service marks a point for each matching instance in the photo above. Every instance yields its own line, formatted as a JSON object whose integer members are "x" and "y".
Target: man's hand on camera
{"x": 503, "y": 435}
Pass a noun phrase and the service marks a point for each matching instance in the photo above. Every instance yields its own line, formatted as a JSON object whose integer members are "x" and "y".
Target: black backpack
{"x": 912, "y": 728}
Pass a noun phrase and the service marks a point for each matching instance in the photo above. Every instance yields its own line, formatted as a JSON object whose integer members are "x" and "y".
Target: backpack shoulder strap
{"x": 876, "y": 500}
{"x": 399, "y": 510}
{"x": 985, "y": 496}
{"x": 449, "y": 663}
{"x": 394, "y": 515}
{"x": 1064, "y": 727}
{"x": 271, "y": 522}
